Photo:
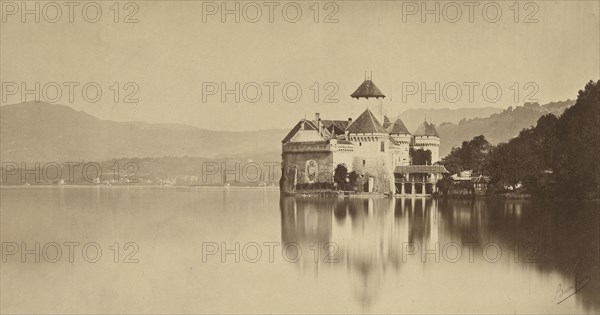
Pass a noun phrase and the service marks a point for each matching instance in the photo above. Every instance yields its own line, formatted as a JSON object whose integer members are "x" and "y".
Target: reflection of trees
{"x": 370, "y": 234}
{"x": 564, "y": 236}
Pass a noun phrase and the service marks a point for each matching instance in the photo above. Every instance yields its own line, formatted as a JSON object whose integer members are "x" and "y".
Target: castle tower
{"x": 426, "y": 137}
{"x": 372, "y": 144}
{"x": 368, "y": 90}
{"x": 402, "y": 136}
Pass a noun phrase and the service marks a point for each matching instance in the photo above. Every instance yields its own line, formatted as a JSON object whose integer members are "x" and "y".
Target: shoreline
{"x": 312, "y": 193}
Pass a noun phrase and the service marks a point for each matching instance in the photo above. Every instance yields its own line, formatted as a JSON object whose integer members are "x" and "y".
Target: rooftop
{"x": 367, "y": 89}
{"x": 398, "y": 128}
{"x": 426, "y": 129}
{"x": 366, "y": 123}
{"x": 336, "y": 127}
{"x": 302, "y": 124}
{"x": 386, "y": 122}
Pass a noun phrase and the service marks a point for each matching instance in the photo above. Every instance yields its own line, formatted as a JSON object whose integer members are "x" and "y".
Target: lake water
{"x": 296, "y": 254}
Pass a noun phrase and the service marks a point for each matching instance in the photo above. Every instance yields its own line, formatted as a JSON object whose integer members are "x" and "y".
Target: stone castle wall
{"x": 306, "y": 163}
{"x": 371, "y": 162}
{"x": 312, "y": 162}
{"x": 403, "y": 149}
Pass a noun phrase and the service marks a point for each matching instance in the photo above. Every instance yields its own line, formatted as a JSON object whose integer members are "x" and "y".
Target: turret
{"x": 426, "y": 137}
{"x": 402, "y": 136}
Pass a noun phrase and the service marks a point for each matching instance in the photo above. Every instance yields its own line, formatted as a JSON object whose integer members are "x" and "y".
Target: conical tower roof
{"x": 398, "y": 128}
{"x": 426, "y": 130}
{"x": 367, "y": 89}
{"x": 366, "y": 123}
{"x": 386, "y": 122}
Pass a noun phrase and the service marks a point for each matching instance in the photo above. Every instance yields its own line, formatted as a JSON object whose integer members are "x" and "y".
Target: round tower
{"x": 402, "y": 136}
{"x": 426, "y": 137}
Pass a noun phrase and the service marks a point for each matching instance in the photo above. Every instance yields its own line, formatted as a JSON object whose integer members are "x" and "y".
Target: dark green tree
{"x": 340, "y": 176}
{"x": 577, "y": 150}
{"x": 353, "y": 180}
{"x": 558, "y": 155}
{"x": 471, "y": 155}
{"x": 420, "y": 156}
{"x": 445, "y": 184}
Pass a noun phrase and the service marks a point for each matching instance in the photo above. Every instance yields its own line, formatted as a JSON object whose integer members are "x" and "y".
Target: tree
{"x": 558, "y": 155}
{"x": 471, "y": 155}
{"x": 420, "y": 156}
{"x": 445, "y": 184}
{"x": 353, "y": 180}
{"x": 577, "y": 150}
{"x": 340, "y": 176}
{"x": 504, "y": 165}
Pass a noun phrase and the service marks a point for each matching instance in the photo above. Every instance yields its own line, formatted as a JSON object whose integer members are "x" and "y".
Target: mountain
{"x": 413, "y": 118}
{"x": 498, "y": 127}
{"x": 45, "y": 132}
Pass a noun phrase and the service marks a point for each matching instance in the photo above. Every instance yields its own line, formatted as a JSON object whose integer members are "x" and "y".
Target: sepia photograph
{"x": 300, "y": 157}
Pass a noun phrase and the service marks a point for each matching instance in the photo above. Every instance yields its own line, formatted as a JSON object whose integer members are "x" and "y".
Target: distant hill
{"x": 498, "y": 127}
{"x": 45, "y": 132}
{"x": 49, "y": 132}
{"x": 413, "y": 118}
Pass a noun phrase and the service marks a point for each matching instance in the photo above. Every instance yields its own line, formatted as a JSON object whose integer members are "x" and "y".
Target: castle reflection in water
{"x": 371, "y": 238}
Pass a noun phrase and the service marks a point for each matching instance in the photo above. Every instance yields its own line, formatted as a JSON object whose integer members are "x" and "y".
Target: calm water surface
{"x": 480, "y": 256}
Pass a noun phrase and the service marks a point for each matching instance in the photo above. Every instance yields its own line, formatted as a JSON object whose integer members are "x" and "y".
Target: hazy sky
{"x": 170, "y": 52}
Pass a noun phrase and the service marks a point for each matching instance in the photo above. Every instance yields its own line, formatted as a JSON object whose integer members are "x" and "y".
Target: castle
{"x": 378, "y": 153}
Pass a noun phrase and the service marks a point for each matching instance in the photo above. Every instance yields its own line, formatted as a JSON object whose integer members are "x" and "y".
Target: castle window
{"x": 364, "y": 162}
{"x": 360, "y": 144}
{"x": 382, "y": 146}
